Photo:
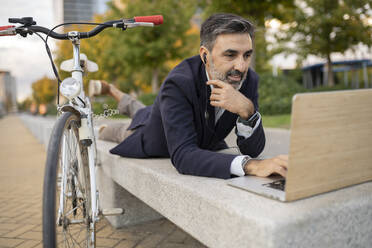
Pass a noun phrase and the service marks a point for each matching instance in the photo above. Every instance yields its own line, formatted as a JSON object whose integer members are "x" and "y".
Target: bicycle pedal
{"x": 112, "y": 211}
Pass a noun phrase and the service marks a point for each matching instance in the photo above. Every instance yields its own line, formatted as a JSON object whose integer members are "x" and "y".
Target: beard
{"x": 225, "y": 77}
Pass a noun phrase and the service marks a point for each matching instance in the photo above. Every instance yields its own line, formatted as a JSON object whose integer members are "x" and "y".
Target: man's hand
{"x": 225, "y": 96}
{"x": 266, "y": 167}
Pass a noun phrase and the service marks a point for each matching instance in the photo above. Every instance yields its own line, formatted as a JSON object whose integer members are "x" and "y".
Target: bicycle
{"x": 70, "y": 196}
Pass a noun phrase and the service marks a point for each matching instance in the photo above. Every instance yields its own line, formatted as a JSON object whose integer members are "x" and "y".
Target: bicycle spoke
{"x": 72, "y": 238}
{"x": 69, "y": 212}
{"x": 73, "y": 190}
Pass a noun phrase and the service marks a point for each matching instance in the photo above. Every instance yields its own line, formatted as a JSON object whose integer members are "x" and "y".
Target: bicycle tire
{"x": 74, "y": 226}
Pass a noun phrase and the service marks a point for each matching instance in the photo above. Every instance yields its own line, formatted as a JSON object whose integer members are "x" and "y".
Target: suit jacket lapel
{"x": 207, "y": 114}
{"x": 225, "y": 124}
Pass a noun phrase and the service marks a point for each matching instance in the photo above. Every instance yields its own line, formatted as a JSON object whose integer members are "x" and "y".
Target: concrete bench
{"x": 222, "y": 216}
{"x": 219, "y": 215}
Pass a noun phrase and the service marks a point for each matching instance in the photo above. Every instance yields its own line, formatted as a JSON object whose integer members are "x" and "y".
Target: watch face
{"x": 252, "y": 121}
{"x": 244, "y": 161}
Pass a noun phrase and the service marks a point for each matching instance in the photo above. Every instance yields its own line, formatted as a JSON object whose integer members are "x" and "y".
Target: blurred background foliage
{"x": 323, "y": 27}
{"x": 138, "y": 60}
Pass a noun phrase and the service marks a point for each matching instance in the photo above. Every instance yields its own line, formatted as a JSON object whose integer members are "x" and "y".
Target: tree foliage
{"x": 44, "y": 90}
{"x": 134, "y": 58}
{"x": 276, "y": 94}
{"x": 258, "y": 11}
{"x": 322, "y": 27}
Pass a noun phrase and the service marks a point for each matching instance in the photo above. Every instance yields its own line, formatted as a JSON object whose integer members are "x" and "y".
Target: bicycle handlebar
{"x": 29, "y": 27}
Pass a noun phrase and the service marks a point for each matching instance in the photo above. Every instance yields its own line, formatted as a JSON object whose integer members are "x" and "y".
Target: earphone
{"x": 205, "y": 58}
{"x": 206, "y": 114}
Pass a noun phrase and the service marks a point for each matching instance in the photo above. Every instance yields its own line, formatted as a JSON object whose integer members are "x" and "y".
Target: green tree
{"x": 44, "y": 90}
{"x": 139, "y": 58}
{"x": 321, "y": 27}
{"x": 145, "y": 50}
{"x": 258, "y": 12}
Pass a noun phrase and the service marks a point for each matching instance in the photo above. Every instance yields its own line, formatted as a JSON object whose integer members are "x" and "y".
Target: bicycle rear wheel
{"x": 67, "y": 210}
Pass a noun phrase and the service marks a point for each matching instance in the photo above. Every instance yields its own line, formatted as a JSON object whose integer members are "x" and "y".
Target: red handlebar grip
{"x": 156, "y": 19}
{"x": 7, "y": 30}
{"x": 6, "y": 27}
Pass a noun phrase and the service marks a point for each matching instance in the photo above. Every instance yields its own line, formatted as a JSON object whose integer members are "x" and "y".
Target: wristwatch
{"x": 244, "y": 161}
{"x": 251, "y": 121}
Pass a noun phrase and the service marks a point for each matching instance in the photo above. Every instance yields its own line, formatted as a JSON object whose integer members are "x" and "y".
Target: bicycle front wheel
{"x": 67, "y": 214}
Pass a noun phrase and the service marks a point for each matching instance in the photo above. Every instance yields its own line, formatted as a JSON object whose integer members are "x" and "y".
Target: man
{"x": 199, "y": 103}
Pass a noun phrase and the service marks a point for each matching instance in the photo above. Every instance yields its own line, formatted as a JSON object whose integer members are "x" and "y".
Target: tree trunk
{"x": 330, "y": 77}
{"x": 155, "y": 80}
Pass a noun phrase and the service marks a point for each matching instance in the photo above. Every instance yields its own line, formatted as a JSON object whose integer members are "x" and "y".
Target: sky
{"x": 26, "y": 58}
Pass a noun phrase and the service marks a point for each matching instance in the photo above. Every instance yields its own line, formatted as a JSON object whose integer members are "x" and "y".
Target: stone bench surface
{"x": 223, "y": 216}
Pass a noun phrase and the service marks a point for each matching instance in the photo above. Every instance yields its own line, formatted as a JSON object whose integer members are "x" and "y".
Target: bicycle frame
{"x": 79, "y": 105}
{"x": 86, "y": 129}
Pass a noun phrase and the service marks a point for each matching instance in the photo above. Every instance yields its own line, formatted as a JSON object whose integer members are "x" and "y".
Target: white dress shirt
{"x": 243, "y": 130}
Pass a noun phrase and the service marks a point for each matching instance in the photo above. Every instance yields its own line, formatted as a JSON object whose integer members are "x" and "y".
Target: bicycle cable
{"x": 55, "y": 70}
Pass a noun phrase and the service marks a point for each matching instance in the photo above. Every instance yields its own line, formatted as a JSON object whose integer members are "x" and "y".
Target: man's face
{"x": 230, "y": 58}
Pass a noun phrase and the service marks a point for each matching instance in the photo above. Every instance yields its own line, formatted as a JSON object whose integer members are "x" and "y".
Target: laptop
{"x": 330, "y": 146}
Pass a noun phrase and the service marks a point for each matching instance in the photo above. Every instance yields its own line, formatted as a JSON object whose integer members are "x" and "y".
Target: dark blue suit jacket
{"x": 180, "y": 125}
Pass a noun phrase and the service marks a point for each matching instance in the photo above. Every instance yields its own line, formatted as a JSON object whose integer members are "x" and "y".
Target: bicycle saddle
{"x": 85, "y": 63}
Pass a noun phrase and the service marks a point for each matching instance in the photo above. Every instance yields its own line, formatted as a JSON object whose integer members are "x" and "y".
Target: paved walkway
{"x": 22, "y": 161}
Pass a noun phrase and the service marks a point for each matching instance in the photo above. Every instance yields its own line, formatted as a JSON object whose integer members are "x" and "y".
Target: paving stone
{"x": 23, "y": 218}
{"x": 32, "y": 235}
{"x": 128, "y": 235}
{"x": 7, "y": 226}
{"x": 193, "y": 242}
{"x": 19, "y": 231}
{"x": 29, "y": 244}
{"x": 4, "y": 242}
{"x": 178, "y": 236}
{"x": 126, "y": 244}
{"x": 40, "y": 245}
{"x": 21, "y": 200}
{"x": 103, "y": 242}
{"x": 151, "y": 241}
{"x": 175, "y": 245}
{"x": 105, "y": 232}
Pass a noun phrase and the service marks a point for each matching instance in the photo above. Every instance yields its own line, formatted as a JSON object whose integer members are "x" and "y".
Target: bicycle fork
{"x": 86, "y": 139}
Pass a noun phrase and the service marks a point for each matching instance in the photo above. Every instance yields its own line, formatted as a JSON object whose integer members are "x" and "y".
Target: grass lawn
{"x": 277, "y": 121}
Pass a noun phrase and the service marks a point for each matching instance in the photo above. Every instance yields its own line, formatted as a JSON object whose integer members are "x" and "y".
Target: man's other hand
{"x": 267, "y": 167}
{"x": 223, "y": 95}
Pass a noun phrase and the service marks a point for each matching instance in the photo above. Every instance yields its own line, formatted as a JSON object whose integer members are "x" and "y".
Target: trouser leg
{"x": 129, "y": 106}
{"x": 117, "y": 132}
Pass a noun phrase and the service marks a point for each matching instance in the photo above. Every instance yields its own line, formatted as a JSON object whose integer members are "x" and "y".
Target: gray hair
{"x": 223, "y": 23}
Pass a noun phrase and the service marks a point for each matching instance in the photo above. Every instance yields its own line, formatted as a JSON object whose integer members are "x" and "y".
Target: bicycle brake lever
{"x": 139, "y": 24}
{"x": 27, "y": 21}
{"x": 119, "y": 25}
{"x": 23, "y": 31}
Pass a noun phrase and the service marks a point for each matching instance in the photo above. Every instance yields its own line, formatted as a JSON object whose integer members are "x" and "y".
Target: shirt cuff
{"x": 245, "y": 130}
{"x": 236, "y": 166}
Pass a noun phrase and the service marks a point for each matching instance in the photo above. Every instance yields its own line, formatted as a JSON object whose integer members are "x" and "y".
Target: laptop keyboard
{"x": 278, "y": 184}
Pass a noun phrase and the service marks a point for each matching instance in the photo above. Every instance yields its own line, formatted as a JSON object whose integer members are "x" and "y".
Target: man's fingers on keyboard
{"x": 281, "y": 162}
{"x": 281, "y": 170}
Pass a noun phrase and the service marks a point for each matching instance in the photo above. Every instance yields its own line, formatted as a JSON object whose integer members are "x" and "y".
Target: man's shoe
{"x": 98, "y": 87}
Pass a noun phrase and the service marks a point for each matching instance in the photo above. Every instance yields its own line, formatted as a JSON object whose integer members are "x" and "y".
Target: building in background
{"x": 357, "y": 72}
{"x": 8, "y": 93}
{"x": 78, "y": 10}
